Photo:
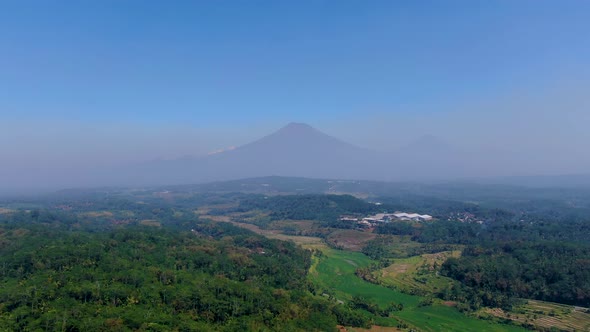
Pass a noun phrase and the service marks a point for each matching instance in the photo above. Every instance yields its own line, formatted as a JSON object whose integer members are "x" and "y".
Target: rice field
{"x": 334, "y": 273}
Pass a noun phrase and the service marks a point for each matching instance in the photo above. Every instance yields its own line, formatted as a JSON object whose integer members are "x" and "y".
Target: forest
{"x": 497, "y": 275}
{"x": 58, "y": 273}
{"x": 506, "y": 260}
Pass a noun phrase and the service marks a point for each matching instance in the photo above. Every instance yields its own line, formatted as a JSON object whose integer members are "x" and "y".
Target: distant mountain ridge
{"x": 299, "y": 150}
{"x": 472, "y": 191}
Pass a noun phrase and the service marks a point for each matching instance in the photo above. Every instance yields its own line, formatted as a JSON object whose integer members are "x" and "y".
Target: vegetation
{"x": 334, "y": 274}
{"x": 326, "y": 209}
{"x": 150, "y": 260}
{"x": 57, "y": 275}
{"x": 416, "y": 275}
{"x": 543, "y": 316}
{"x": 505, "y": 260}
{"x": 553, "y": 272}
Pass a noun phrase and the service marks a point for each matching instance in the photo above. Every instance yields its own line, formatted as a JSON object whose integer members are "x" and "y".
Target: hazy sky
{"x": 100, "y": 82}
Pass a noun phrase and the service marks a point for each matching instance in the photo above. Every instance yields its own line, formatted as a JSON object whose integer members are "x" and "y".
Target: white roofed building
{"x": 412, "y": 216}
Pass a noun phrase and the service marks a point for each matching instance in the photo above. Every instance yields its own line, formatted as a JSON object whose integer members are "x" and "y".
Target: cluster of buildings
{"x": 387, "y": 217}
{"x": 465, "y": 217}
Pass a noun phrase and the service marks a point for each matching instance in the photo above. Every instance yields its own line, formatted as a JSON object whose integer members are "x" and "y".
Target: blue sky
{"x": 99, "y": 82}
{"x": 208, "y": 63}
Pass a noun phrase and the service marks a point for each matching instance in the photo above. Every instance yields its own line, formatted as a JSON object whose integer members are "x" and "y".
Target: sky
{"x": 92, "y": 83}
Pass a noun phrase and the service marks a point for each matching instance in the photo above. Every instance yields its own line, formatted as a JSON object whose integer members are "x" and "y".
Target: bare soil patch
{"x": 304, "y": 241}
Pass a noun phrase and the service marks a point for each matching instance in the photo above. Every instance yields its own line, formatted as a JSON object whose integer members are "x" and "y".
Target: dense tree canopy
{"x": 60, "y": 276}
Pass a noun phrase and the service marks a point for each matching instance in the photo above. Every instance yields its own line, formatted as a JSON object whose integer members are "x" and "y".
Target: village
{"x": 373, "y": 220}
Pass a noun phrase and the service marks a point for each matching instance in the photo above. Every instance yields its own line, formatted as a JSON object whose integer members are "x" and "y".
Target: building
{"x": 412, "y": 216}
{"x": 387, "y": 217}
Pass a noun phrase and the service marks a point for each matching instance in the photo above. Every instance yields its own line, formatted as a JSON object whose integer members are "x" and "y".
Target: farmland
{"x": 410, "y": 277}
{"x": 546, "y": 315}
{"x": 417, "y": 274}
{"x": 334, "y": 274}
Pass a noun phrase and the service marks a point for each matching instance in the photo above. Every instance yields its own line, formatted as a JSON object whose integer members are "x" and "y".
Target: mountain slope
{"x": 294, "y": 150}
{"x": 299, "y": 138}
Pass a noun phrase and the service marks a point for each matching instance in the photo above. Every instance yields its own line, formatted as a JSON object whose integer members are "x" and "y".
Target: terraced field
{"x": 547, "y": 315}
{"x": 417, "y": 274}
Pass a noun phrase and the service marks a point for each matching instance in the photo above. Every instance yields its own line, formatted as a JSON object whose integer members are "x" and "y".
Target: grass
{"x": 334, "y": 273}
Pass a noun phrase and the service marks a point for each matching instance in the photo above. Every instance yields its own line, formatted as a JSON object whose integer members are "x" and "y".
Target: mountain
{"x": 299, "y": 150}
{"x": 294, "y": 150}
{"x": 294, "y": 141}
{"x": 300, "y": 138}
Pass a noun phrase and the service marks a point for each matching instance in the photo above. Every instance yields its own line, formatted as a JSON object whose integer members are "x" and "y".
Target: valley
{"x": 397, "y": 275}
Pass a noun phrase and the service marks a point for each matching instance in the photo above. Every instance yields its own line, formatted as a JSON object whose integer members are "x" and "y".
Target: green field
{"x": 334, "y": 273}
